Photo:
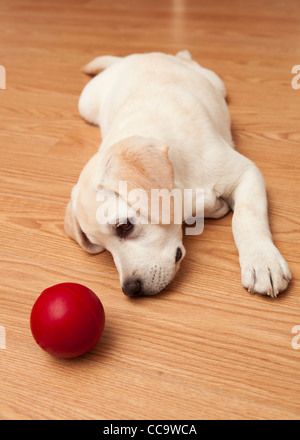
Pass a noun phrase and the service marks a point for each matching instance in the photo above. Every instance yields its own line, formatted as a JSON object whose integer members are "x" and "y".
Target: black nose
{"x": 132, "y": 287}
{"x": 178, "y": 255}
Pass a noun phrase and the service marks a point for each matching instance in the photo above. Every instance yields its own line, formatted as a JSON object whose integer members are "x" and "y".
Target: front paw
{"x": 264, "y": 270}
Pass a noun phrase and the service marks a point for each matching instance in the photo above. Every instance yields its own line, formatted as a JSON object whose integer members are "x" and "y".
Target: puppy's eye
{"x": 123, "y": 229}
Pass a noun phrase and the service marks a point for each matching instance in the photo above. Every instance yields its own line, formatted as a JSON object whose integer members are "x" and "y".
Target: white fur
{"x": 176, "y": 102}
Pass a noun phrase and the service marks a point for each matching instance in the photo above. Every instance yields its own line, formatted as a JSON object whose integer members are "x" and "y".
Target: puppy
{"x": 165, "y": 125}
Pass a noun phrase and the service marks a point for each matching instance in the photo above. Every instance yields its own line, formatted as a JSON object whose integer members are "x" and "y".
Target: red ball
{"x": 67, "y": 320}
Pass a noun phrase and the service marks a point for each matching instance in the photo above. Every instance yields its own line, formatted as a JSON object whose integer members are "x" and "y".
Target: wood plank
{"x": 113, "y": 393}
{"x": 38, "y": 176}
{"x": 218, "y": 344}
{"x": 284, "y": 169}
{"x": 256, "y": 131}
{"x": 40, "y": 105}
{"x": 81, "y": 142}
{"x": 210, "y": 266}
{"x": 204, "y": 348}
{"x": 53, "y": 178}
{"x": 30, "y": 136}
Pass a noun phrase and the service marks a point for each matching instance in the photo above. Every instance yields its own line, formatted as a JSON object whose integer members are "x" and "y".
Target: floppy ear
{"x": 73, "y": 229}
{"x": 144, "y": 165}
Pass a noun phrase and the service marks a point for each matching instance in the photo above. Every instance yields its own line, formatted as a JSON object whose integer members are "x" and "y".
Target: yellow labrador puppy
{"x": 165, "y": 125}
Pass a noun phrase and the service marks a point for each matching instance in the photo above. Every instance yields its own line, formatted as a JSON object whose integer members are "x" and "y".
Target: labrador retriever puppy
{"x": 165, "y": 125}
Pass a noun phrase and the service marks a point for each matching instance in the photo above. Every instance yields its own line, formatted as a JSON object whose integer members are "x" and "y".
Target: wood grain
{"x": 41, "y": 222}
{"x": 204, "y": 348}
{"x": 222, "y": 342}
{"x": 102, "y": 391}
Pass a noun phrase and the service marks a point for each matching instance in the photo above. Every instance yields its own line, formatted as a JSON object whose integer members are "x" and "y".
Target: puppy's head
{"x": 112, "y": 207}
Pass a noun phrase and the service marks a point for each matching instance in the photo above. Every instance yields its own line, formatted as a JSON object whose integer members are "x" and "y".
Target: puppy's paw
{"x": 264, "y": 270}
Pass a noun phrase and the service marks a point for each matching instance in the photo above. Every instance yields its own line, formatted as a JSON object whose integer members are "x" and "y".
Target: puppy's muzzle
{"x": 134, "y": 287}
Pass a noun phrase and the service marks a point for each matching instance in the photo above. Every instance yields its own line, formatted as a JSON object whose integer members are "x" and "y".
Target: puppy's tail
{"x": 100, "y": 63}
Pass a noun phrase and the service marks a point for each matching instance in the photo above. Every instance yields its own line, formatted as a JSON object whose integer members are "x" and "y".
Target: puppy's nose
{"x": 178, "y": 255}
{"x": 132, "y": 287}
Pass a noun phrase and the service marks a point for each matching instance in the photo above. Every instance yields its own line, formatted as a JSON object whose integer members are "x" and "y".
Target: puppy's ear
{"x": 144, "y": 165}
{"x": 73, "y": 230}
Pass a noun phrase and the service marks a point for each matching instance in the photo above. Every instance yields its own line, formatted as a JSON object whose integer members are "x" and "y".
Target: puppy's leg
{"x": 215, "y": 80}
{"x": 264, "y": 270}
{"x": 90, "y": 98}
{"x": 89, "y": 101}
{"x": 209, "y": 74}
{"x": 100, "y": 63}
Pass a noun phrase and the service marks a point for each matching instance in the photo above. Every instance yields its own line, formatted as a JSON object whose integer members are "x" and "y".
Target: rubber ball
{"x": 67, "y": 320}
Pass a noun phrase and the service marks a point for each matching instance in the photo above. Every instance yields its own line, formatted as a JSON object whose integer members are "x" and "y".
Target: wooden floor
{"x": 205, "y": 348}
